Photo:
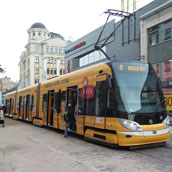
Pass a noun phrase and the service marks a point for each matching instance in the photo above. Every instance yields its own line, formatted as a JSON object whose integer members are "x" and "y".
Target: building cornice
{"x": 156, "y": 10}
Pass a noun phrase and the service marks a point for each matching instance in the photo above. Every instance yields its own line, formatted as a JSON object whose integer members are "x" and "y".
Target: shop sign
{"x": 168, "y": 98}
{"x": 75, "y": 47}
{"x": 167, "y": 71}
{"x": 157, "y": 69}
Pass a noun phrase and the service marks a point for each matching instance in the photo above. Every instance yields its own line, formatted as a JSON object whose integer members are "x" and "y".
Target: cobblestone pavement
{"x": 27, "y": 148}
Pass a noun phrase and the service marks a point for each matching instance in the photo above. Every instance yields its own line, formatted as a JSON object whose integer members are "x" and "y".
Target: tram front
{"x": 140, "y": 105}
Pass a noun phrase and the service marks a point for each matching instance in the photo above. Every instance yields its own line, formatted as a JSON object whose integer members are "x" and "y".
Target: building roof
{"x": 38, "y": 25}
{"x": 55, "y": 35}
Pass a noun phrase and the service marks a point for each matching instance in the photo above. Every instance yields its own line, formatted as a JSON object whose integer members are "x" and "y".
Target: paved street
{"x": 27, "y": 148}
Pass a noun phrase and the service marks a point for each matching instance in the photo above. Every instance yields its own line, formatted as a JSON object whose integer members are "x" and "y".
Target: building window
{"x": 55, "y": 71}
{"x": 36, "y": 71}
{"x": 154, "y": 39}
{"x": 56, "y": 49}
{"x": 39, "y": 33}
{"x": 47, "y": 48}
{"x": 51, "y": 71}
{"x": 60, "y": 50}
{"x": 36, "y": 59}
{"x": 33, "y": 33}
{"x": 36, "y": 48}
{"x": 92, "y": 57}
{"x": 51, "y": 60}
{"x": 36, "y": 80}
{"x": 63, "y": 50}
{"x": 52, "y": 49}
{"x": 61, "y": 71}
{"x": 168, "y": 33}
{"x": 48, "y": 70}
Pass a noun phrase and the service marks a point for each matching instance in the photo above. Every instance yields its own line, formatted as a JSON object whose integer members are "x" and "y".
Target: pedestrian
{"x": 68, "y": 118}
{"x": 2, "y": 117}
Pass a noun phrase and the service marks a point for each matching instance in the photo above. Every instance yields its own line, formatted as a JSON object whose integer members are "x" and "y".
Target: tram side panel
{"x": 10, "y": 104}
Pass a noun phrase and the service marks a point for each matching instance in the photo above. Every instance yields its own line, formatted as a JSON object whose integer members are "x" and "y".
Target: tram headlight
{"x": 166, "y": 122}
{"x": 131, "y": 125}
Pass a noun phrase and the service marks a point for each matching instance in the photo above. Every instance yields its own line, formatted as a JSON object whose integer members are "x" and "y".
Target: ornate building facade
{"x": 43, "y": 57}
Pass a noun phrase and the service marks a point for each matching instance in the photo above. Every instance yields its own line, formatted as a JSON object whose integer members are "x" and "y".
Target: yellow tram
{"x": 116, "y": 103}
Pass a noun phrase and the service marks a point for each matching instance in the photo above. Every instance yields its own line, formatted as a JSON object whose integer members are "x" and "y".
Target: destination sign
{"x": 64, "y": 81}
{"x": 133, "y": 68}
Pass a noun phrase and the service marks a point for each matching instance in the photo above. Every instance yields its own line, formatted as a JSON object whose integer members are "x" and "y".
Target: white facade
{"x": 43, "y": 57}
{"x": 151, "y": 21}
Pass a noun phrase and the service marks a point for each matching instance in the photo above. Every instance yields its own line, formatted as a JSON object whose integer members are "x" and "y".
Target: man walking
{"x": 68, "y": 118}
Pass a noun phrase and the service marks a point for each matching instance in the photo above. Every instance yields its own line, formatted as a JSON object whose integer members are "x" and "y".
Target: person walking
{"x": 68, "y": 118}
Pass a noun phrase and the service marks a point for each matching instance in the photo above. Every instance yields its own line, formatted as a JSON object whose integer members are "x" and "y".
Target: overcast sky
{"x": 70, "y": 18}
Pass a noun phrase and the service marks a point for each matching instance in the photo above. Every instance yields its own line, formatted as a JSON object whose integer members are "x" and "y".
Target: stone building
{"x": 43, "y": 57}
{"x": 5, "y": 85}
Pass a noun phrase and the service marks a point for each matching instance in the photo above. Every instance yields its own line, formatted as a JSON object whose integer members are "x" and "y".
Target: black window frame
{"x": 58, "y": 101}
{"x": 44, "y": 100}
{"x": 167, "y": 33}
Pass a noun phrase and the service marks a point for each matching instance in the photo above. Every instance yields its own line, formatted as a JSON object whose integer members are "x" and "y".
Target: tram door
{"x": 72, "y": 93}
{"x": 50, "y": 111}
{"x": 101, "y": 102}
{"x": 27, "y": 107}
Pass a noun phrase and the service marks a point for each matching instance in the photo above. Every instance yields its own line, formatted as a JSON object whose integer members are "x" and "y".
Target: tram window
{"x": 101, "y": 93}
{"x": 6, "y": 102}
{"x": 81, "y": 103}
{"x": 58, "y": 102}
{"x": 90, "y": 106}
{"x": 63, "y": 96}
{"x": 110, "y": 110}
{"x": 23, "y": 103}
{"x": 31, "y": 102}
{"x": 86, "y": 105}
{"x": 30, "y": 105}
{"x": 63, "y": 100}
{"x": 18, "y": 102}
{"x": 12, "y": 104}
{"x": 44, "y": 102}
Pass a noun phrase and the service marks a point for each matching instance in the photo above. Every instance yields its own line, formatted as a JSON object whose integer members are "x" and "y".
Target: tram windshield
{"x": 137, "y": 88}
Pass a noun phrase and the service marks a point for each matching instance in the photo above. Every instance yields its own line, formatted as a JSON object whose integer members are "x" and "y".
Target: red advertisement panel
{"x": 167, "y": 71}
{"x": 88, "y": 92}
{"x": 157, "y": 69}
